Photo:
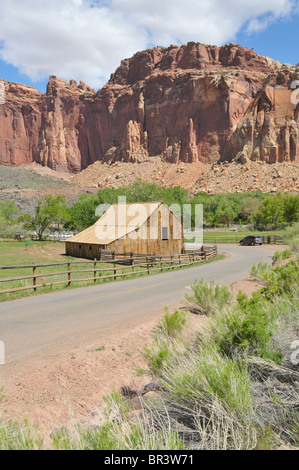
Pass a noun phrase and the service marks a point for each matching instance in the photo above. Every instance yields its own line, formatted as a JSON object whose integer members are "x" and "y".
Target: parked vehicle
{"x": 251, "y": 240}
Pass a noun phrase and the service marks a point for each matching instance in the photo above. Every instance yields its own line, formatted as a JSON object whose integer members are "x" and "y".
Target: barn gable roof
{"x": 116, "y": 223}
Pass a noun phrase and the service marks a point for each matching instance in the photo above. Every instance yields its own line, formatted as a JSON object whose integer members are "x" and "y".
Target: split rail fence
{"x": 145, "y": 263}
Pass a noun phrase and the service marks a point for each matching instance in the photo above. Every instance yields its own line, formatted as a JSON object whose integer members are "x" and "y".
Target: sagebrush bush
{"x": 209, "y": 297}
{"x": 172, "y": 324}
{"x": 157, "y": 356}
{"x": 168, "y": 341}
{"x": 281, "y": 255}
{"x": 240, "y": 333}
{"x": 249, "y": 326}
{"x": 200, "y": 378}
{"x": 279, "y": 281}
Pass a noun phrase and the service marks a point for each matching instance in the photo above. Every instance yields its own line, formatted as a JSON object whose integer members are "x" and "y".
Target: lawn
{"x": 14, "y": 253}
{"x": 21, "y": 254}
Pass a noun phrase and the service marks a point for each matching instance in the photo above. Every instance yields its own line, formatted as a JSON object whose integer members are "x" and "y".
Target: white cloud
{"x": 87, "y": 39}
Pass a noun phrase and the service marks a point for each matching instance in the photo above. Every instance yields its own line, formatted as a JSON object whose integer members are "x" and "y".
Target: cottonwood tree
{"x": 49, "y": 210}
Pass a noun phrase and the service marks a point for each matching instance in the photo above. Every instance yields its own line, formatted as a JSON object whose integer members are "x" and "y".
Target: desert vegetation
{"x": 234, "y": 386}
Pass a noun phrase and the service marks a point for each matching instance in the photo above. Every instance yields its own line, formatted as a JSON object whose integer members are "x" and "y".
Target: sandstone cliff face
{"x": 20, "y": 120}
{"x": 269, "y": 130}
{"x": 191, "y": 103}
{"x": 42, "y": 128}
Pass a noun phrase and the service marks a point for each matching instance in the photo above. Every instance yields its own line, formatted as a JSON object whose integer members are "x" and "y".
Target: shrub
{"x": 209, "y": 297}
{"x": 167, "y": 342}
{"x": 246, "y": 329}
{"x": 172, "y": 324}
{"x": 282, "y": 280}
{"x": 281, "y": 255}
{"x": 292, "y": 237}
{"x": 198, "y": 379}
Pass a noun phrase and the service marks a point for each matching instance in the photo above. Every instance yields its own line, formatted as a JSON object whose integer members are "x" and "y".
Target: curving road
{"x": 34, "y": 325}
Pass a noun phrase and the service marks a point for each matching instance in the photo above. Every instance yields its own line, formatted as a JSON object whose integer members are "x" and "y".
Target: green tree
{"x": 82, "y": 214}
{"x": 291, "y": 209}
{"x": 249, "y": 208}
{"x": 49, "y": 210}
{"x": 223, "y": 210}
{"x": 271, "y": 214}
{"x": 9, "y": 214}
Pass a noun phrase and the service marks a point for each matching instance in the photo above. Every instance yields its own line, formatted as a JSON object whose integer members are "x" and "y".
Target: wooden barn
{"x": 145, "y": 228}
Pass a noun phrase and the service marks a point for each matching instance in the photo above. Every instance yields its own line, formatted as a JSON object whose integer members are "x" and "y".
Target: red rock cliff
{"x": 269, "y": 130}
{"x": 189, "y": 103}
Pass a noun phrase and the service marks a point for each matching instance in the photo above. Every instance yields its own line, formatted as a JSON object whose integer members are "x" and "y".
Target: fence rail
{"x": 145, "y": 263}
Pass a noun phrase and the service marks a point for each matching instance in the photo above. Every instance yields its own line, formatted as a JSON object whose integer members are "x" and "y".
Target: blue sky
{"x": 279, "y": 41}
{"x": 85, "y": 39}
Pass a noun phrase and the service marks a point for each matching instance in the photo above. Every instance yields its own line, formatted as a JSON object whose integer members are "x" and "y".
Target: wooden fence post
{"x": 69, "y": 276}
{"x": 34, "y": 278}
{"x": 172, "y": 264}
{"x": 148, "y": 266}
{"x": 133, "y": 263}
{"x": 95, "y": 271}
{"x": 180, "y": 261}
{"x": 114, "y": 267}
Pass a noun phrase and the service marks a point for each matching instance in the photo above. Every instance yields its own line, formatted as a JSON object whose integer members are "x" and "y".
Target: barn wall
{"x": 83, "y": 250}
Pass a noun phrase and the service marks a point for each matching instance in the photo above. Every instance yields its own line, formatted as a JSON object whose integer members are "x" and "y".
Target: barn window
{"x": 165, "y": 233}
{"x": 90, "y": 247}
{"x": 80, "y": 246}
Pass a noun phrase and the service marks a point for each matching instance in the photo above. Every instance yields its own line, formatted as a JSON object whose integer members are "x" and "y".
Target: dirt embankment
{"x": 195, "y": 177}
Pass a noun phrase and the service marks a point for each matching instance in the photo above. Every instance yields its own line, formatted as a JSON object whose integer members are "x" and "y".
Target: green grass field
{"x": 14, "y": 253}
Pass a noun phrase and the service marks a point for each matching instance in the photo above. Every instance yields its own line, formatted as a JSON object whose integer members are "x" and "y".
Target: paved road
{"x": 32, "y": 325}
